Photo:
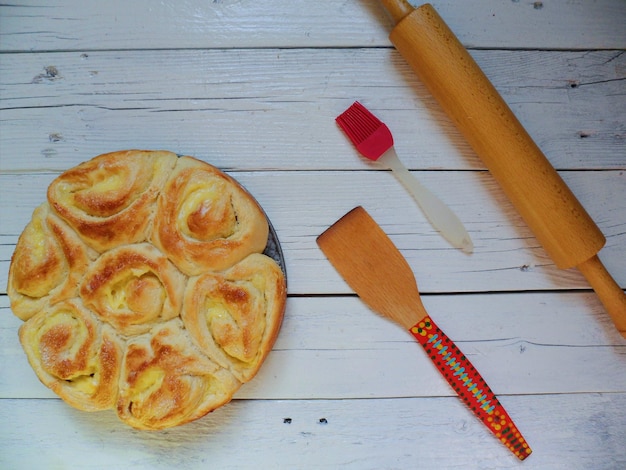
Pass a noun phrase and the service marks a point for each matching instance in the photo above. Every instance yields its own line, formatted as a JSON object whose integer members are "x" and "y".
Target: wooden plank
{"x": 142, "y": 24}
{"x": 576, "y": 432}
{"x": 336, "y": 348}
{"x": 254, "y": 87}
{"x": 301, "y": 205}
{"x": 266, "y": 109}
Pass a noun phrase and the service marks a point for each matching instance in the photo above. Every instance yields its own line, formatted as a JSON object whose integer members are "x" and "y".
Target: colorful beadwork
{"x": 469, "y": 385}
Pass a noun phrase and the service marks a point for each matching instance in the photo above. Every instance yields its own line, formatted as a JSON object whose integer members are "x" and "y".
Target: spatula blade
{"x": 373, "y": 267}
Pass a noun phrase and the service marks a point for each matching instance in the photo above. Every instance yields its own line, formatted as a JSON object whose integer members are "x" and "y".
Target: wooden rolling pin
{"x": 551, "y": 210}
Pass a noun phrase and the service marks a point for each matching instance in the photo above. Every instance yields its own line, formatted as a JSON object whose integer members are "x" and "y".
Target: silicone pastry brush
{"x": 373, "y": 139}
{"x": 375, "y": 269}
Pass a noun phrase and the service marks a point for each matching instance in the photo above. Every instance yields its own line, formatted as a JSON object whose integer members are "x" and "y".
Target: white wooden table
{"x": 253, "y": 87}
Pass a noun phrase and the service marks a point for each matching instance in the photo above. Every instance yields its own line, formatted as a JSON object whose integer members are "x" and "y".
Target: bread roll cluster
{"x": 143, "y": 287}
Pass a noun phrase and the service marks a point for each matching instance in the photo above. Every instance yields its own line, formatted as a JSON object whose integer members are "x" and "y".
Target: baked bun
{"x": 109, "y": 200}
{"x": 47, "y": 265}
{"x": 132, "y": 287}
{"x": 166, "y": 381}
{"x": 205, "y": 220}
{"x": 144, "y": 288}
{"x": 235, "y": 315}
{"x": 74, "y": 355}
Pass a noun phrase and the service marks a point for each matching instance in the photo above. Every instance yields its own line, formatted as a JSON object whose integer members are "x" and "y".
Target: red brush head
{"x": 369, "y": 134}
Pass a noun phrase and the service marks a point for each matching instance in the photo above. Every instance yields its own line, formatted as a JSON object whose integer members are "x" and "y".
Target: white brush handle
{"x": 439, "y": 215}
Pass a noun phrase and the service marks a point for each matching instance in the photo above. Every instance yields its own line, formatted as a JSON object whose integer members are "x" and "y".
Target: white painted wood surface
{"x": 253, "y": 87}
{"x": 143, "y": 24}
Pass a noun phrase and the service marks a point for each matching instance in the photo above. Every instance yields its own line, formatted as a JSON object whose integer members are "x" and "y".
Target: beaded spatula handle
{"x": 469, "y": 385}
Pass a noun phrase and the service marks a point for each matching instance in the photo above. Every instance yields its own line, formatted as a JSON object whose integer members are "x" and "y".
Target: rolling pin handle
{"x": 610, "y": 293}
{"x": 398, "y": 9}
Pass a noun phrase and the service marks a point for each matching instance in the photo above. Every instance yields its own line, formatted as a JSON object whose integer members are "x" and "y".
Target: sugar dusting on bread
{"x": 143, "y": 287}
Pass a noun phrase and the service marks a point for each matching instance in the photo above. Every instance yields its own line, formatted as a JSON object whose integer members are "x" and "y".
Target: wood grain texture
{"x": 275, "y": 109}
{"x": 142, "y": 24}
{"x": 254, "y": 87}
{"x": 560, "y": 343}
{"x": 574, "y": 432}
{"x": 301, "y": 205}
{"x": 373, "y": 267}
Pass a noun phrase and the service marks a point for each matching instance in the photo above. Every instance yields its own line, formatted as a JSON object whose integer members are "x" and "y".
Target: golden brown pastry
{"x": 109, "y": 200}
{"x": 74, "y": 355}
{"x": 143, "y": 288}
{"x": 235, "y": 315}
{"x": 166, "y": 381}
{"x": 206, "y": 220}
{"x": 133, "y": 287}
{"x": 47, "y": 264}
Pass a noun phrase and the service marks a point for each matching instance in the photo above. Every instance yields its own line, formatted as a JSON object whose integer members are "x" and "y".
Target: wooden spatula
{"x": 372, "y": 265}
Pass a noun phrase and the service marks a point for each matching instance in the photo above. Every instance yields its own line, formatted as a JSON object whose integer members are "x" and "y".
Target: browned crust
{"x": 47, "y": 266}
{"x": 100, "y": 276}
{"x": 150, "y": 286}
{"x": 235, "y": 316}
{"x": 187, "y": 383}
{"x": 105, "y": 219}
{"x": 65, "y": 346}
{"x": 239, "y": 226}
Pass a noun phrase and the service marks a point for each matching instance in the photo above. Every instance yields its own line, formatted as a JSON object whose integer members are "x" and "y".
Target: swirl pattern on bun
{"x": 47, "y": 264}
{"x": 236, "y": 314}
{"x": 144, "y": 288}
{"x": 205, "y": 220}
{"x": 132, "y": 287}
{"x": 74, "y": 355}
{"x": 166, "y": 381}
{"x": 109, "y": 200}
